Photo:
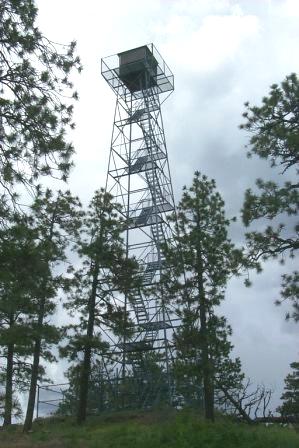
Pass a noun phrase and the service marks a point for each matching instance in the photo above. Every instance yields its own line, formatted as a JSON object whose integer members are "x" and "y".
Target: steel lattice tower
{"x": 139, "y": 179}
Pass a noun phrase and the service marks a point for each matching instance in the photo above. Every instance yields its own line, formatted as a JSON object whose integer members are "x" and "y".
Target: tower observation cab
{"x": 139, "y": 179}
{"x": 138, "y": 69}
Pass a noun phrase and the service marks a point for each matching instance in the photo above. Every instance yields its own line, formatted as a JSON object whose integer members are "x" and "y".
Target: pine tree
{"x": 188, "y": 370}
{"x": 290, "y": 406}
{"x": 104, "y": 270}
{"x": 20, "y": 271}
{"x": 34, "y": 109}
{"x": 275, "y": 138}
{"x": 101, "y": 394}
{"x": 207, "y": 259}
{"x": 56, "y": 220}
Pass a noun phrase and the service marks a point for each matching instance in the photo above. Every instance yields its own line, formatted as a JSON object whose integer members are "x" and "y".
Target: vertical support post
{"x": 127, "y": 245}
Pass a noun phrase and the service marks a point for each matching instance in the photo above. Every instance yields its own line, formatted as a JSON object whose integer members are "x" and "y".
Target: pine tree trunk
{"x": 33, "y": 385}
{"x": 207, "y": 373}
{"x": 37, "y": 344}
{"x": 8, "y": 388}
{"x": 34, "y": 372}
{"x": 206, "y": 364}
{"x": 84, "y": 385}
{"x": 85, "y": 371}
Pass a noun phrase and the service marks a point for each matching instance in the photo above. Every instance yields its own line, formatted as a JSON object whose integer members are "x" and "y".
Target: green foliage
{"x": 99, "y": 391}
{"x": 21, "y": 270}
{"x": 290, "y": 291}
{"x": 105, "y": 272}
{"x": 290, "y": 397}
{"x": 30, "y": 248}
{"x": 274, "y": 126}
{"x": 202, "y": 238}
{"x": 55, "y": 219}
{"x": 207, "y": 260}
{"x": 105, "y": 395}
{"x": 35, "y": 99}
{"x": 17, "y": 411}
{"x": 188, "y": 366}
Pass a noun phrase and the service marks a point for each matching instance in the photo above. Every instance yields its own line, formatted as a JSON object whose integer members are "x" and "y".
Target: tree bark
{"x": 206, "y": 364}
{"x": 34, "y": 372}
{"x": 207, "y": 371}
{"x": 8, "y": 387}
{"x": 85, "y": 370}
{"x": 37, "y": 341}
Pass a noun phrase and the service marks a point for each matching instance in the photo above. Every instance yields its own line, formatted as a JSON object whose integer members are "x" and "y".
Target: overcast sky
{"x": 222, "y": 53}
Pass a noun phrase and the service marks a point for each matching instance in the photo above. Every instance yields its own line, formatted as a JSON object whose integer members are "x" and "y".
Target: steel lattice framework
{"x": 139, "y": 179}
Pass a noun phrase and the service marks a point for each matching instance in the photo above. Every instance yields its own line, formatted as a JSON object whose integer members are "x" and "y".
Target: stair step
{"x": 155, "y": 326}
{"x": 153, "y": 265}
{"x": 144, "y": 215}
{"x": 136, "y": 115}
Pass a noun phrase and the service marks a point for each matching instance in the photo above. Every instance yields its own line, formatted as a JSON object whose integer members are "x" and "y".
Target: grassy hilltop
{"x": 149, "y": 430}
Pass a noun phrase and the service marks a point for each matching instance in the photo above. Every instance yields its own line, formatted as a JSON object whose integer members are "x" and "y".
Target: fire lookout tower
{"x": 139, "y": 179}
